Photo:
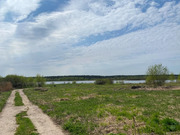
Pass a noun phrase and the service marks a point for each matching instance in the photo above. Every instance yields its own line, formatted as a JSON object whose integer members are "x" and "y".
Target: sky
{"x": 88, "y": 37}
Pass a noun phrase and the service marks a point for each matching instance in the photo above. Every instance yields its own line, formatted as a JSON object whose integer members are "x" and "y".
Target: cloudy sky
{"x": 88, "y": 37}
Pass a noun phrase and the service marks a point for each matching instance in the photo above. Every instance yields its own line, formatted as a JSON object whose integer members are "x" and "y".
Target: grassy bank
{"x": 18, "y": 100}
{"x": 110, "y": 109}
{"x": 3, "y": 98}
{"x": 25, "y": 127}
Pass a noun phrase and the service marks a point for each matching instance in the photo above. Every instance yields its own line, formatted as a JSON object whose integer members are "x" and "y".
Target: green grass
{"x": 18, "y": 100}
{"x": 25, "y": 125}
{"x": 3, "y": 98}
{"x": 109, "y": 109}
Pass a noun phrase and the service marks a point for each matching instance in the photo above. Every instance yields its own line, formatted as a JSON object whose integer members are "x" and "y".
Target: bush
{"x": 157, "y": 75}
{"x": 5, "y": 86}
{"x": 73, "y": 82}
{"x": 40, "y": 80}
{"x": 17, "y": 81}
{"x": 103, "y": 81}
{"x": 170, "y": 125}
{"x": 178, "y": 80}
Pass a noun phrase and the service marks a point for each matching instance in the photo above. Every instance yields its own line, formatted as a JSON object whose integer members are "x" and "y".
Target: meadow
{"x": 110, "y": 109}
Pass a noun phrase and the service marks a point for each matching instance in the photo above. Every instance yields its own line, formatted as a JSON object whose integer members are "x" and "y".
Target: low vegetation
{"x": 18, "y": 100}
{"x": 110, "y": 109}
{"x": 103, "y": 81}
{"x": 25, "y": 127}
{"x": 17, "y": 81}
{"x": 3, "y": 98}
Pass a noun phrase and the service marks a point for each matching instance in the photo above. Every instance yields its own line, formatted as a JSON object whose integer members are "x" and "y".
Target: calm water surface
{"x": 92, "y": 81}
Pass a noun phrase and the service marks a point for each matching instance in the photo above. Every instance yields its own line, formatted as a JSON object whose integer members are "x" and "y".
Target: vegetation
{"x": 26, "y": 127}
{"x": 110, "y": 109}
{"x": 178, "y": 80}
{"x": 5, "y": 86}
{"x": 172, "y": 77}
{"x": 157, "y": 75}
{"x": 40, "y": 80}
{"x": 17, "y": 81}
{"x": 94, "y": 77}
{"x": 18, "y": 100}
{"x": 3, "y": 98}
{"x": 23, "y": 82}
{"x": 103, "y": 81}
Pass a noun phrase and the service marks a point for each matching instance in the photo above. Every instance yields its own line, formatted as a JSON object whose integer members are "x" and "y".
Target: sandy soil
{"x": 8, "y": 116}
{"x": 41, "y": 121}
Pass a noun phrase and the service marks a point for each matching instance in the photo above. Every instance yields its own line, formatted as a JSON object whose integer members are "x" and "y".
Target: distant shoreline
{"x": 95, "y": 77}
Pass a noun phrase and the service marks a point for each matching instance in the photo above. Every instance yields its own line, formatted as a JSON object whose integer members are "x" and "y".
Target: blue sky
{"x": 88, "y": 37}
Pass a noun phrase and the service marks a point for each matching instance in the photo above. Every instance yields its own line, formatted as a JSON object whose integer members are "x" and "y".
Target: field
{"x": 3, "y": 97}
{"x": 110, "y": 109}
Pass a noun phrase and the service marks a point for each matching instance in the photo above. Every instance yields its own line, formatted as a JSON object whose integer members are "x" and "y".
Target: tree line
{"x": 95, "y": 77}
{"x": 156, "y": 76}
{"x": 17, "y": 81}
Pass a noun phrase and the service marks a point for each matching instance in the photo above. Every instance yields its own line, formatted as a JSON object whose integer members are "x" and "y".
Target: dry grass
{"x": 6, "y": 86}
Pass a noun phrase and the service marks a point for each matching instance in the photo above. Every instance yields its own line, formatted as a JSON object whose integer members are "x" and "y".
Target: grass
{"x": 18, "y": 100}
{"x": 25, "y": 125}
{"x": 110, "y": 109}
{"x": 3, "y": 98}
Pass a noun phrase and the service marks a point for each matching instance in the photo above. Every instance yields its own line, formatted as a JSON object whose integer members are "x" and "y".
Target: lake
{"x": 92, "y": 81}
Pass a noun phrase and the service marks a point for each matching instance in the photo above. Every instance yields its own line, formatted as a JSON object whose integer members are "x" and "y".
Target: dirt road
{"x": 41, "y": 121}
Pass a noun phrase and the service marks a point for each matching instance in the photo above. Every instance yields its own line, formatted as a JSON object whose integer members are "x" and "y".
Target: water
{"x": 92, "y": 81}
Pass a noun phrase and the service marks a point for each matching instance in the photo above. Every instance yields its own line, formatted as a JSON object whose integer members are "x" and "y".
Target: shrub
{"x": 40, "y": 80}
{"x": 157, "y": 75}
{"x": 5, "y": 86}
{"x": 17, "y": 81}
{"x": 73, "y": 82}
{"x": 103, "y": 81}
{"x": 178, "y": 80}
{"x": 170, "y": 125}
{"x": 172, "y": 78}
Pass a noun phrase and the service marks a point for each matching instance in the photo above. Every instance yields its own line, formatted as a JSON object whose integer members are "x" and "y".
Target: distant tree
{"x": 16, "y": 80}
{"x": 1, "y": 78}
{"x": 172, "y": 77}
{"x": 178, "y": 80}
{"x": 40, "y": 80}
{"x": 157, "y": 75}
{"x": 103, "y": 81}
{"x": 31, "y": 82}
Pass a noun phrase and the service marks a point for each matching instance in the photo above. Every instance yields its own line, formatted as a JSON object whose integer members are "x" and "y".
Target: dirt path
{"x": 8, "y": 116}
{"x": 41, "y": 121}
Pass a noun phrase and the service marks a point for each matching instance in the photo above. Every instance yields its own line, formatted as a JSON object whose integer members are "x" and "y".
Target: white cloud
{"x": 71, "y": 26}
{"x": 128, "y": 54}
{"x": 160, "y": 44}
{"x": 19, "y": 9}
{"x": 47, "y": 45}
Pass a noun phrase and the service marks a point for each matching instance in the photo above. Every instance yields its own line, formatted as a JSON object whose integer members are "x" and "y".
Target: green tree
{"x": 172, "y": 77}
{"x": 31, "y": 82}
{"x": 1, "y": 79}
{"x": 16, "y": 80}
{"x": 178, "y": 80}
{"x": 157, "y": 75}
{"x": 40, "y": 80}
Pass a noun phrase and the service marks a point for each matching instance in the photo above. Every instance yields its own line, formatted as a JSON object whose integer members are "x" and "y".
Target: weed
{"x": 25, "y": 125}
{"x": 91, "y": 115}
{"x": 75, "y": 127}
{"x": 3, "y": 97}
{"x": 170, "y": 125}
{"x": 18, "y": 100}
